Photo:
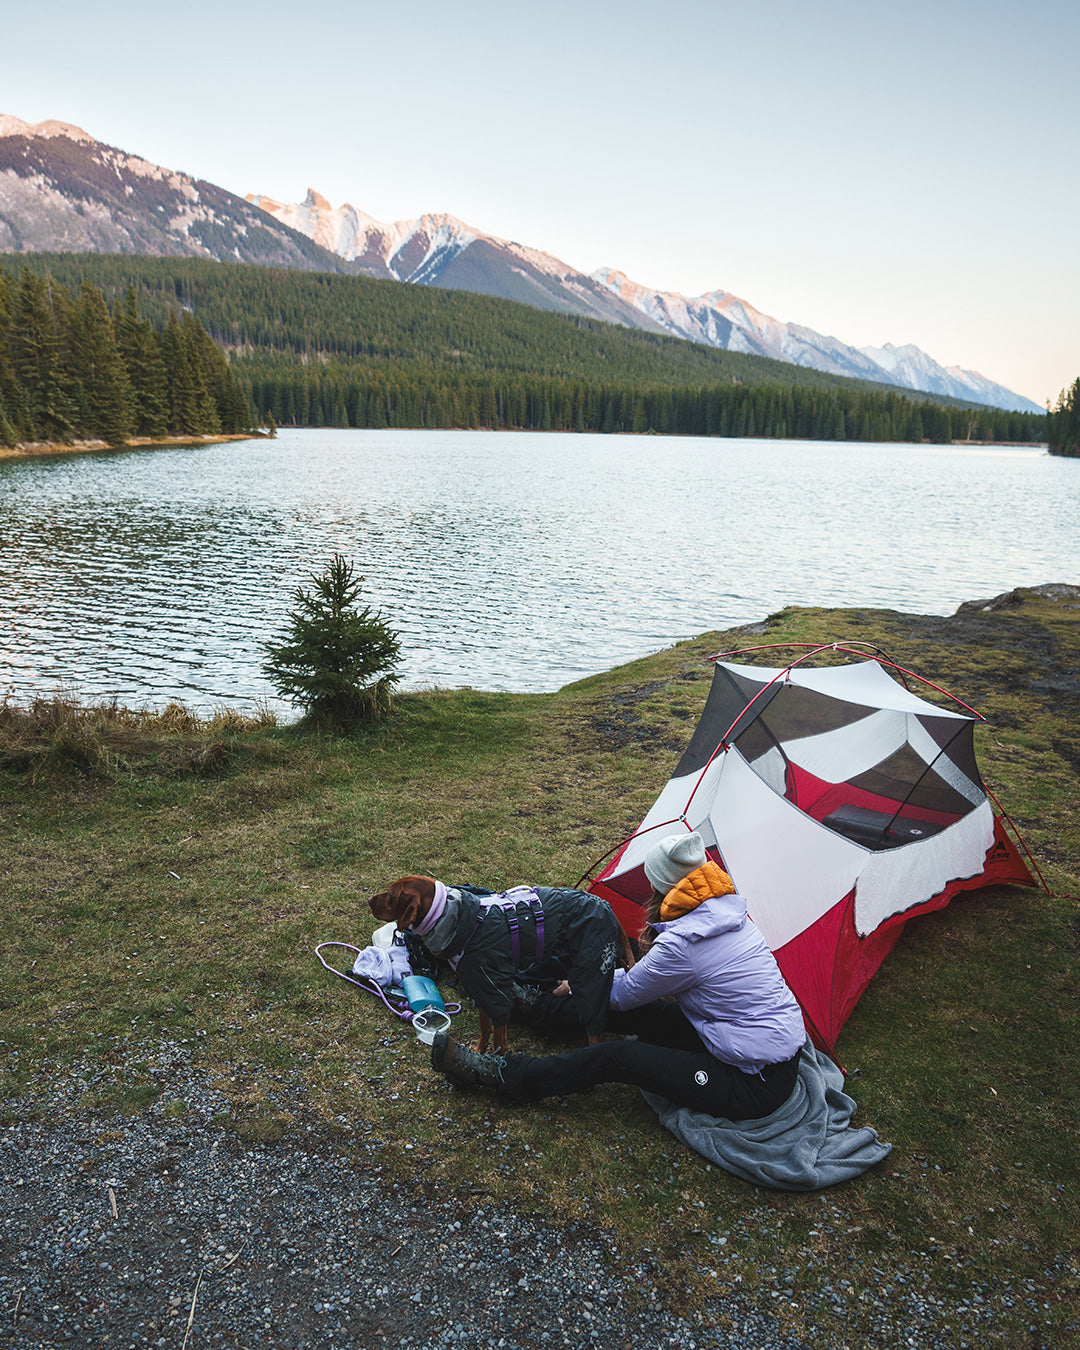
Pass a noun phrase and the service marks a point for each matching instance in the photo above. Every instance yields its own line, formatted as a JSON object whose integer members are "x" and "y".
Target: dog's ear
{"x": 412, "y": 897}
{"x": 407, "y": 906}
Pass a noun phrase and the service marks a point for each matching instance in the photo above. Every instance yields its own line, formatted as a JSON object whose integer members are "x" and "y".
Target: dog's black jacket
{"x": 580, "y": 931}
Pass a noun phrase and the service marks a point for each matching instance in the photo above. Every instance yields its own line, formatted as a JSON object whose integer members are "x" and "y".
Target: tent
{"x": 841, "y": 803}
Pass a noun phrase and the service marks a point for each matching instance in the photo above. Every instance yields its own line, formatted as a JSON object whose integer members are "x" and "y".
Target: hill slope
{"x": 62, "y": 191}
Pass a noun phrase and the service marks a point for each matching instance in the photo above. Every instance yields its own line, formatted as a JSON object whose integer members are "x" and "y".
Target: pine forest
{"x": 71, "y": 368}
{"x": 120, "y": 345}
{"x": 1063, "y": 423}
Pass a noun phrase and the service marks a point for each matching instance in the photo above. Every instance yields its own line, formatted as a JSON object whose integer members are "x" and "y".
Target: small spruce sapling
{"x": 334, "y": 660}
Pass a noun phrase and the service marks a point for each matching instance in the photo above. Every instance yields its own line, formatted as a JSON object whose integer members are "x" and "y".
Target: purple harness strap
{"x": 508, "y": 902}
{"x": 509, "y": 908}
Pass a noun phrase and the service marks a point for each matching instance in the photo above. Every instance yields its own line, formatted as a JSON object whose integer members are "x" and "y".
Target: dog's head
{"x": 405, "y": 901}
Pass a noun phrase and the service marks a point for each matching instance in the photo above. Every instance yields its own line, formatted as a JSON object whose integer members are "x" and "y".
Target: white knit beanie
{"x": 673, "y": 858}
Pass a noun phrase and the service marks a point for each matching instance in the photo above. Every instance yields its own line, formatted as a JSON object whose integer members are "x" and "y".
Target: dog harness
{"x": 508, "y": 902}
{"x": 488, "y": 939}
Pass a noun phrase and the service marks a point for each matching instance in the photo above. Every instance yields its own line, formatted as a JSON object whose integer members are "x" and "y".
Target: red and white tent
{"x": 841, "y": 804}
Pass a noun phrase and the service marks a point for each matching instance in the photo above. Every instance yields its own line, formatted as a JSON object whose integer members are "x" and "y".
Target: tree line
{"x": 311, "y": 349}
{"x": 72, "y": 368}
{"x": 309, "y": 317}
{"x": 1063, "y": 422}
{"x": 342, "y": 394}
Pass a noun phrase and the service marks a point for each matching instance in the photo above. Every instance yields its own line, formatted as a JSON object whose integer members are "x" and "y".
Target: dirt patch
{"x": 617, "y": 723}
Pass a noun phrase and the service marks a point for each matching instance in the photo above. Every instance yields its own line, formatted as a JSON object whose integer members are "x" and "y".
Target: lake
{"x": 507, "y": 561}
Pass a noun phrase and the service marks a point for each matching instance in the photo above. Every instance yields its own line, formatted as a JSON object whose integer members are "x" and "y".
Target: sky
{"x": 880, "y": 173}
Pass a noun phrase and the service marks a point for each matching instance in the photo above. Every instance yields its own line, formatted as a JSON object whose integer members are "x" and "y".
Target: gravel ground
{"x": 166, "y": 1230}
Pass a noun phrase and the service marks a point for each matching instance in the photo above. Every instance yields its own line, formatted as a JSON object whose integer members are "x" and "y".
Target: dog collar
{"x": 434, "y": 914}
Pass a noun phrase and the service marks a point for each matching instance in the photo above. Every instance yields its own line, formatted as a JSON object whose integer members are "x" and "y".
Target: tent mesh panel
{"x": 758, "y": 719}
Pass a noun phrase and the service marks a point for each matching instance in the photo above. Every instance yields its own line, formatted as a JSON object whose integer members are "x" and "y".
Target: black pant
{"x": 673, "y": 1063}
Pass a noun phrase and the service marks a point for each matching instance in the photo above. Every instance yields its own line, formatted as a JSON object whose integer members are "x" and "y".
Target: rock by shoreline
{"x": 1068, "y": 595}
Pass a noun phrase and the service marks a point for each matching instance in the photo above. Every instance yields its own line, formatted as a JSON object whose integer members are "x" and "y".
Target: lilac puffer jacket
{"x": 716, "y": 964}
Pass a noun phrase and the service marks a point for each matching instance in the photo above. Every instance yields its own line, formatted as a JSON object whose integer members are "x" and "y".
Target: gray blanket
{"x": 805, "y": 1145}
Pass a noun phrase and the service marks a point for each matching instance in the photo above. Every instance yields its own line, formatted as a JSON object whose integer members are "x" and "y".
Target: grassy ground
{"x": 166, "y": 878}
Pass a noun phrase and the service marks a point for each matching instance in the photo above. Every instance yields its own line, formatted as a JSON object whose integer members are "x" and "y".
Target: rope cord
{"x": 397, "y": 1006}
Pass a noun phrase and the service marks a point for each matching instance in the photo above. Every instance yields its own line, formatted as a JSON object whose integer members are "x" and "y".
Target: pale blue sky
{"x": 902, "y": 173}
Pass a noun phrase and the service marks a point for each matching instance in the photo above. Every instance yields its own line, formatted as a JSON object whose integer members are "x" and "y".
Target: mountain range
{"x": 439, "y": 250}
{"x": 63, "y": 191}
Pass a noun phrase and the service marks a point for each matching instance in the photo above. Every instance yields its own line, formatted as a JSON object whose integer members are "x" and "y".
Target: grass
{"x": 164, "y": 878}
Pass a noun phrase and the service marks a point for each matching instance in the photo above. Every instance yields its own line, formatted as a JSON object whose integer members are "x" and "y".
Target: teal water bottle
{"x": 422, "y": 993}
{"x": 429, "y": 1012}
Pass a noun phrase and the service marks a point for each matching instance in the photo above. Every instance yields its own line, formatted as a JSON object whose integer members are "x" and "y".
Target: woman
{"x": 730, "y": 1044}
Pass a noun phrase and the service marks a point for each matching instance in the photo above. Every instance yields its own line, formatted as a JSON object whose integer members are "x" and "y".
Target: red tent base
{"x": 829, "y": 963}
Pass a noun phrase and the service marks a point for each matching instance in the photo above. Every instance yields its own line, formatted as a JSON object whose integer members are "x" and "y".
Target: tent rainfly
{"x": 841, "y": 804}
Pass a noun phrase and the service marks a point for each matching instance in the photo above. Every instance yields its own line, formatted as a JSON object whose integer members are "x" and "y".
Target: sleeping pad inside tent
{"x": 841, "y": 804}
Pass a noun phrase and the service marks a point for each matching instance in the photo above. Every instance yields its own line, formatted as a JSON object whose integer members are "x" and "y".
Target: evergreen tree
{"x": 202, "y": 357}
{"x": 10, "y": 392}
{"x": 102, "y": 384}
{"x": 334, "y": 660}
{"x": 1063, "y": 423}
{"x": 37, "y": 359}
{"x": 191, "y": 407}
{"x": 140, "y": 347}
{"x": 223, "y": 405}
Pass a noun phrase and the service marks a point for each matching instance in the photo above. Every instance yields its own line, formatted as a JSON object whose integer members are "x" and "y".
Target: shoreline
{"x": 41, "y": 449}
{"x": 257, "y": 711}
{"x": 37, "y": 449}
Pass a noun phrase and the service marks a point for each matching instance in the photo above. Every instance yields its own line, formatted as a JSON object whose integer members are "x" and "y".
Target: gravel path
{"x": 156, "y": 1231}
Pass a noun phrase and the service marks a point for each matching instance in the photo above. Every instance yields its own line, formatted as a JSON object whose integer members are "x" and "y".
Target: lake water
{"x": 517, "y": 561}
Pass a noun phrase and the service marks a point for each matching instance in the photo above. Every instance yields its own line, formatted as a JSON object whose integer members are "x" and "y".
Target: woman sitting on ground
{"x": 729, "y": 1044}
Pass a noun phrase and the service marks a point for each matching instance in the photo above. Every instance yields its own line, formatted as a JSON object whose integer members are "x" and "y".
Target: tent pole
{"x": 604, "y": 857}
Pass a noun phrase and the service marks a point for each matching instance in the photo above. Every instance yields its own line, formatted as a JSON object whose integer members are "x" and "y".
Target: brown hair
{"x": 652, "y": 916}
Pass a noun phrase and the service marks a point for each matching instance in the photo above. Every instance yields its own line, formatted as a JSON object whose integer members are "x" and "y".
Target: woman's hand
{"x": 562, "y": 990}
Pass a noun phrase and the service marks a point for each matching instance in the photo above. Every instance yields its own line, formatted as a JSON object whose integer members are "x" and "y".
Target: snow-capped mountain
{"x": 439, "y": 250}
{"x": 723, "y": 320}
{"x": 410, "y": 250}
{"x": 61, "y": 191}
{"x": 913, "y": 369}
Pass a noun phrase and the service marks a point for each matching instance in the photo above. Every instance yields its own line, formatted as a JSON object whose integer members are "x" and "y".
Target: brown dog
{"x": 483, "y": 939}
